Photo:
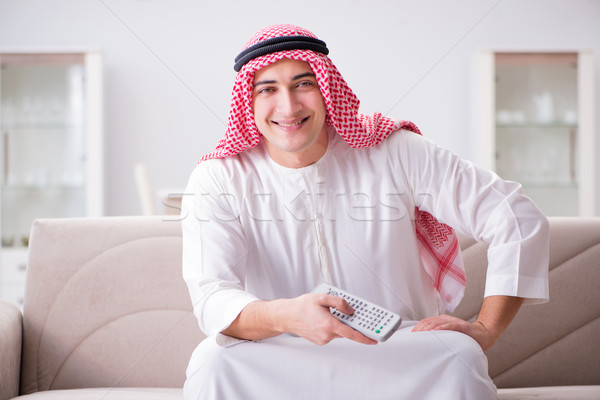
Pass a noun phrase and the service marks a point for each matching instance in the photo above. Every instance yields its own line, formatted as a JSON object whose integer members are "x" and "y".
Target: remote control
{"x": 369, "y": 319}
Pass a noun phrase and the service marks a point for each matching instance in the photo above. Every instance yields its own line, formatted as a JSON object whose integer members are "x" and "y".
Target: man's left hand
{"x": 495, "y": 315}
{"x": 447, "y": 322}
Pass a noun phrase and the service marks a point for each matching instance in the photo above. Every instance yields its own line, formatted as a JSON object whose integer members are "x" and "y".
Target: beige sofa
{"x": 107, "y": 315}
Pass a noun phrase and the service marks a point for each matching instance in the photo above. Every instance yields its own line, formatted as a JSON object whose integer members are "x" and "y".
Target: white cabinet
{"x": 51, "y": 127}
{"x": 536, "y": 125}
{"x": 14, "y": 266}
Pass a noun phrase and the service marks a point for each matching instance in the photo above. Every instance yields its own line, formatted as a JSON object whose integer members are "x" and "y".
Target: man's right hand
{"x": 307, "y": 316}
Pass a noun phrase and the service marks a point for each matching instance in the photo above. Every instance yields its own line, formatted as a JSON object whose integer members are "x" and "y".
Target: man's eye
{"x": 305, "y": 84}
{"x": 265, "y": 90}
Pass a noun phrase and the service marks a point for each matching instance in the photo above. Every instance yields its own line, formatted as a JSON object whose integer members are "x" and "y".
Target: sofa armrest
{"x": 11, "y": 334}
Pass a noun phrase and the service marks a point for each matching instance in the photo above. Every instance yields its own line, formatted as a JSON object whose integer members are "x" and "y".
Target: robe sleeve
{"x": 214, "y": 250}
{"x": 478, "y": 203}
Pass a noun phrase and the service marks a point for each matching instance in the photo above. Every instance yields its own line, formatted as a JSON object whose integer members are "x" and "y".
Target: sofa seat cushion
{"x": 107, "y": 394}
{"x": 590, "y": 392}
{"x": 541, "y": 393}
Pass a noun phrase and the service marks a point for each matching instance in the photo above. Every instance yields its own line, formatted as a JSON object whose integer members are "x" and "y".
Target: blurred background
{"x": 165, "y": 75}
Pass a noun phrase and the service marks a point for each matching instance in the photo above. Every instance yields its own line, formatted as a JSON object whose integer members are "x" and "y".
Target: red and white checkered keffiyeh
{"x": 438, "y": 245}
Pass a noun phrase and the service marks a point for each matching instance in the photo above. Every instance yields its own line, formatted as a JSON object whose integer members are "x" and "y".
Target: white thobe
{"x": 253, "y": 229}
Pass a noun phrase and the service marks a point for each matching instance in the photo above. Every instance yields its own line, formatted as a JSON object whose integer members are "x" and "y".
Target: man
{"x": 304, "y": 189}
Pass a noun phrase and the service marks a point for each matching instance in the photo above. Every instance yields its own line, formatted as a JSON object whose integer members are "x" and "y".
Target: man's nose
{"x": 288, "y": 103}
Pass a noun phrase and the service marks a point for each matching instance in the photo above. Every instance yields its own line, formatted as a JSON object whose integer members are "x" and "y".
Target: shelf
{"x": 41, "y": 188}
{"x": 549, "y": 185}
{"x": 536, "y": 126}
{"x": 43, "y": 126}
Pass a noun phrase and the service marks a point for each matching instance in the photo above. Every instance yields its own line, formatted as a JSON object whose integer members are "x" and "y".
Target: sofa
{"x": 107, "y": 316}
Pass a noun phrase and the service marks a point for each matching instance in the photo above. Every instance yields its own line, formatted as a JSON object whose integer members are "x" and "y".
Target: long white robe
{"x": 425, "y": 366}
{"x": 253, "y": 229}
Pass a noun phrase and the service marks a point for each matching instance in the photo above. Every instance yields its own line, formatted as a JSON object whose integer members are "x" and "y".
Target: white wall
{"x": 168, "y": 64}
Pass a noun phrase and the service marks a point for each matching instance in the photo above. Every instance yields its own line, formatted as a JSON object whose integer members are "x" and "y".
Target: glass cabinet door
{"x": 539, "y": 111}
{"x": 51, "y": 149}
{"x": 47, "y": 120}
{"x": 536, "y": 126}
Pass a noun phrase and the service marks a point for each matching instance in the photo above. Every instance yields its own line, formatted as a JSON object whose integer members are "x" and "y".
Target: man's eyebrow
{"x": 304, "y": 75}
{"x": 264, "y": 83}
{"x": 295, "y": 78}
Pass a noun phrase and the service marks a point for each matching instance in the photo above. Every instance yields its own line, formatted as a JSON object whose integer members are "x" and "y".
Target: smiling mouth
{"x": 292, "y": 124}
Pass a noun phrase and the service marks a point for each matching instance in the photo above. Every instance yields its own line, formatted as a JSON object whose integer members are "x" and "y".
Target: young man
{"x": 304, "y": 189}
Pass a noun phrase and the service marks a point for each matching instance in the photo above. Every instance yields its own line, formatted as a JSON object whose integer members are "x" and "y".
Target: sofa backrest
{"x": 105, "y": 305}
{"x": 556, "y": 343}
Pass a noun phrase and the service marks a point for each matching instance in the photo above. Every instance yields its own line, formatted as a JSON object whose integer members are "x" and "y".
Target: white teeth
{"x": 288, "y": 125}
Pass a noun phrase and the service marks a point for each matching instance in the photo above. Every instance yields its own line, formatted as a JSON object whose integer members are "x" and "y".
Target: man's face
{"x": 290, "y": 113}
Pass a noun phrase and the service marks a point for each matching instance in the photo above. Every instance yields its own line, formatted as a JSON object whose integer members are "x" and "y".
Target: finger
{"x": 428, "y": 324}
{"x": 447, "y": 322}
{"x": 458, "y": 325}
{"x": 327, "y": 300}
{"x": 347, "y": 332}
{"x": 449, "y": 326}
{"x": 424, "y": 325}
{"x": 442, "y": 322}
